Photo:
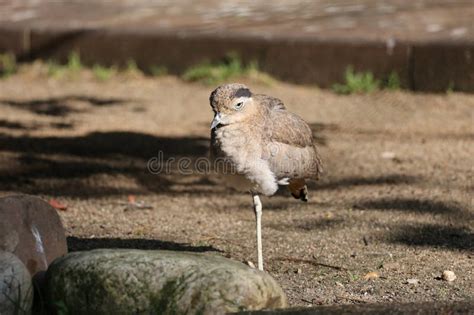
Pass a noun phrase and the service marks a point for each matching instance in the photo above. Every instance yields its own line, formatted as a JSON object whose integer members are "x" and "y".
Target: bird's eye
{"x": 239, "y": 105}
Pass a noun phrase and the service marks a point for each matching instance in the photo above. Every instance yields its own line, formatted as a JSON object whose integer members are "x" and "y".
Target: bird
{"x": 258, "y": 145}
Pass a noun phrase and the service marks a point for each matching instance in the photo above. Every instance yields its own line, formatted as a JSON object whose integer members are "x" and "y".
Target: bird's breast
{"x": 237, "y": 144}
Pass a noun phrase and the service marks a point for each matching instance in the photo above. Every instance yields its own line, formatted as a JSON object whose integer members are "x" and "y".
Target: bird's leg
{"x": 257, "y": 207}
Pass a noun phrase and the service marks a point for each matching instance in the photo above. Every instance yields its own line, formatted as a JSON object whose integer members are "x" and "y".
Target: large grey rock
{"x": 122, "y": 281}
{"x": 16, "y": 290}
{"x": 31, "y": 229}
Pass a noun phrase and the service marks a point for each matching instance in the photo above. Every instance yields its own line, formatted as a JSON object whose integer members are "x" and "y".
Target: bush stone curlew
{"x": 262, "y": 146}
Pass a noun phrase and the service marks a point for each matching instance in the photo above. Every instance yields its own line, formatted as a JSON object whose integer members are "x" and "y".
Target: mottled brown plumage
{"x": 263, "y": 130}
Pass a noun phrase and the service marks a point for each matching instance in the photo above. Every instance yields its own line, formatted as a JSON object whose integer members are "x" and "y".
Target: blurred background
{"x": 90, "y": 91}
{"x": 426, "y": 43}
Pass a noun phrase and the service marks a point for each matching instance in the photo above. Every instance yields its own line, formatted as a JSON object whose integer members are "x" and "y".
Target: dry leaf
{"x": 56, "y": 204}
{"x": 371, "y": 275}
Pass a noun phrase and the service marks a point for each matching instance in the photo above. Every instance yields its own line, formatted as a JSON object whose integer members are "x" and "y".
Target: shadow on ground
{"x": 413, "y": 205}
{"x": 392, "y": 179}
{"x": 310, "y": 225}
{"x": 434, "y": 235}
{"x": 65, "y": 164}
{"x": 13, "y": 125}
{"x": 60, "y": 106}
{"x": 101, "y": 144}
{"x": 57, "y": 161}
{"x": 80, "y": 244}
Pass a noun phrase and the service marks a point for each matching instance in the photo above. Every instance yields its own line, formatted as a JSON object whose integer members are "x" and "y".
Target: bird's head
{"x": 231, "y": 103}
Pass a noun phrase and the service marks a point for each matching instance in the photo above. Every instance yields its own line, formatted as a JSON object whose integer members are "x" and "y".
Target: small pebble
{"x": 251, "y": 264}
{"x": 413, "y": 281}
{"x": 388, "y": 155}
{"x": 448, "y": 275}
{"x": 299, "y": 271}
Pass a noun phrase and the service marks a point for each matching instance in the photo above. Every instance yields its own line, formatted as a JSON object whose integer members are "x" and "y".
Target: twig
{"x": 308, "y": 261}
{"x": 366, "y": 242}
{"x": 351, "y": 299}
{"x": 307, "y": 301}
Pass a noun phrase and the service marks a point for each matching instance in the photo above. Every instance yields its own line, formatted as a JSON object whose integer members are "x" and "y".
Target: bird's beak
{"x": 216, "y": 121}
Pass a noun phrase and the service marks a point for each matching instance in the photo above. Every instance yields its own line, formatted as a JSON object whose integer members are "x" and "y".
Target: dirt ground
{"x": 396, "y": 198}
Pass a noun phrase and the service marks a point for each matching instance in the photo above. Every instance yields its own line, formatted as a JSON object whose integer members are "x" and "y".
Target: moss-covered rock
{"x": 120, "y": 281}
{"x": 16, "y": 290}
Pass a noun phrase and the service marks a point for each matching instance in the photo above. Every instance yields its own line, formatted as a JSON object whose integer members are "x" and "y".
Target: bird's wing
{"x": 289, "y": 145}
{"x": 269, "y": 101}
{"x": 289, "y": 128}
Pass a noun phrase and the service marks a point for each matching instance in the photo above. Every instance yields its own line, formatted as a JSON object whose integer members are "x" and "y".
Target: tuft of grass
{"x": 393, "y": 81}
{"x": 450, "y": 88}
{"x": 215, "y": 73}
{"x": 102, "y": 73}
{"x": 54, "y": 69}
{"x": 72, "y": 67}
{"x": 132, "y": 67}
{"x": 8, "y": 65}
{"x": 254, "y": 72}
{"x": 357, "y": 82}
{"x": 74, "y": 63}
{"x": 352, "y": 277}
{"x": 158, "y": 71}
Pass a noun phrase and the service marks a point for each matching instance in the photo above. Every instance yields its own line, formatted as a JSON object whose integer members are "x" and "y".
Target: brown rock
{"x": 32, "y": 230}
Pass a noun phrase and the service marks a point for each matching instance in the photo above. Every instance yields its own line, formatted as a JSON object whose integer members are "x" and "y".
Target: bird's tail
{"x": 298, "y": 189}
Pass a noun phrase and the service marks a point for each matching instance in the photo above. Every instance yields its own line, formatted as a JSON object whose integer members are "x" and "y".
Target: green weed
{"x": 357, "y": 82}
{"x": 158, "y": 71}
{"x": 71, "y": 68}
{"x": 54, "y": 69}
{"x": 352, "y": 277}
{"x": 132, "y": 67}
{"x": 393, "y": 81}
{"x": 74, "y": 64}
{"x": 215, "y": 73}
{"x": 8, "y": 65}
{"x": 102, "y": 73}
{"x": 450, "y": 88}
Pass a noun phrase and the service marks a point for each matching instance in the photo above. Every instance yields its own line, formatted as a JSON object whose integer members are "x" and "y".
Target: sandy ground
{"x": 396, "y": 198}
